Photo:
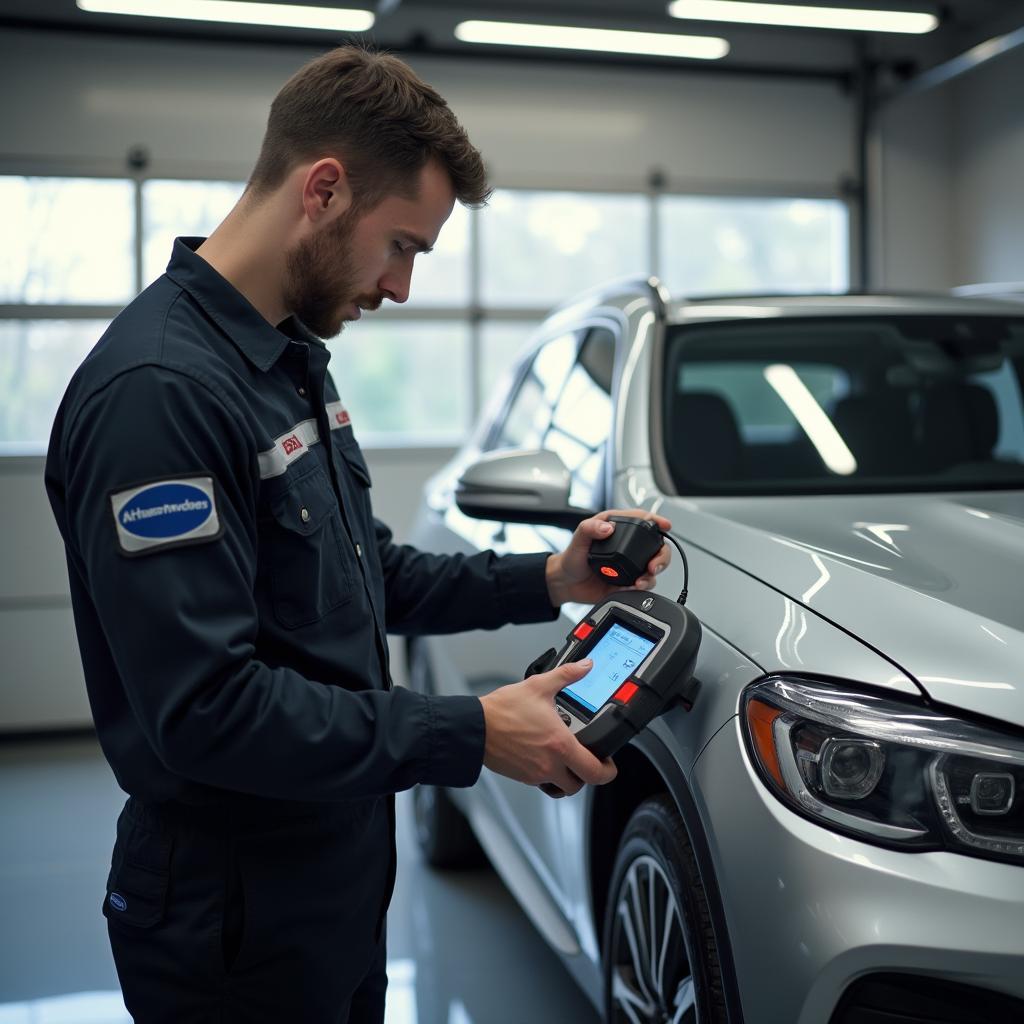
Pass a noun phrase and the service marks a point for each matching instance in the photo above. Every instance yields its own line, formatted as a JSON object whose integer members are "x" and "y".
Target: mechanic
{"x": 232, "y": 590}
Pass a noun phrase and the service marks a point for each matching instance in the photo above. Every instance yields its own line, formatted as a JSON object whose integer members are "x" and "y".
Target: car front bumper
{"x": 809, "y": 911}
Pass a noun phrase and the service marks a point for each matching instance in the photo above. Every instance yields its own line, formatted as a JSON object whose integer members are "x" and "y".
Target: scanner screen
{"x": 616, "y": 656}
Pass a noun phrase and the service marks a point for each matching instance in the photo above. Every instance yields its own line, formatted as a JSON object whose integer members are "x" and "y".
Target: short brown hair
{"x": 376, "y": 115}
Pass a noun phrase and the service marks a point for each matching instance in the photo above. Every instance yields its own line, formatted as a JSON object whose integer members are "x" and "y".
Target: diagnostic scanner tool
{"x": 622, "y": 558}
{"x": 643, "y": 647}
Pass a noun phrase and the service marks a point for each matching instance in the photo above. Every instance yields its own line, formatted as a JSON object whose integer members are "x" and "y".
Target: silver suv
{"x": 835, "y": 833}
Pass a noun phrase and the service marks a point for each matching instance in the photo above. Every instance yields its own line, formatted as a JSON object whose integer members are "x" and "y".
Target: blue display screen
{"x": 615, "y": 656}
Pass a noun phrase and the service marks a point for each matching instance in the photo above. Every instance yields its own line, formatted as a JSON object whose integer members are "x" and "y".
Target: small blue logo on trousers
{"x": 118, "y": 902}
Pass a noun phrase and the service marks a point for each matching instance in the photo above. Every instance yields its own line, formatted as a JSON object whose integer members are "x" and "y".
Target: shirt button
{"x": 302, "y": 392}
{"x": 359, "y": 551}
{"x": 304, "y": 514}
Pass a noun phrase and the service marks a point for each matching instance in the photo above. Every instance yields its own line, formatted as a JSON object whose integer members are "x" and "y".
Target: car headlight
{"x": 888, "y": 771}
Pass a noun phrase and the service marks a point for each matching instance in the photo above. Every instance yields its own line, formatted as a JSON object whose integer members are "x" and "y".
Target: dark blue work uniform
{"x": 231, "y": 592}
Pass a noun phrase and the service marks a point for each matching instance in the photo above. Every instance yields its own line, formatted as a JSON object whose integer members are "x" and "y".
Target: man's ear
{"x": 326, "y": 192}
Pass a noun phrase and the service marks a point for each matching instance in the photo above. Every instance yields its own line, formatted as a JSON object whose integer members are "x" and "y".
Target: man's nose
{"x": 395, "y": 284}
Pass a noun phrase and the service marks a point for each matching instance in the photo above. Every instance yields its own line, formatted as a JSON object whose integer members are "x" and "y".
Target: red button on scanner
{"x": 582, "y": 631}
{"x": 607, "y": 570}
{"x": 625, "y": 692}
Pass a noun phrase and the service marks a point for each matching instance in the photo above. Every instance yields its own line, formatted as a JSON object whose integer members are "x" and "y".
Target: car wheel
{"x": 661, "y": 961}
{"x": 444, "y": 836}
{"x": 442, "y": 831}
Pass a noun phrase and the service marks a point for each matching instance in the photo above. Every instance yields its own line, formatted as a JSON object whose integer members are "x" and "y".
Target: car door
{"x": 562, "y": 402}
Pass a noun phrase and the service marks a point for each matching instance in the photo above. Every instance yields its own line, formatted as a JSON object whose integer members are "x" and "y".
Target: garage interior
{"x": 878, "y": 161}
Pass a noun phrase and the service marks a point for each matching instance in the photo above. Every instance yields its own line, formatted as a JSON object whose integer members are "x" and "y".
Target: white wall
{"x": 203, "y": 107}
{"x": 80, "y": 102}
{"x": 912, "y": 216}
{"x": 988, "y": 156}
{"x": 951, "y": 169}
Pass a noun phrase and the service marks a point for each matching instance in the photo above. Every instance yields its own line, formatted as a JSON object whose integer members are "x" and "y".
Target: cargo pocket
{"x": 305, "y": 557}
{"x": 139, "y": 876}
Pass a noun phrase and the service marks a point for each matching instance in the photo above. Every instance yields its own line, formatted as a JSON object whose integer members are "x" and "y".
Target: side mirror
{"x": 519, "y": 487}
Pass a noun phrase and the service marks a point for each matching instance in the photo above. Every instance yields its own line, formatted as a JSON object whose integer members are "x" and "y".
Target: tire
{"x": 661, "y": 963}
{"x": 442, "y": 831}
{"x": 444, "y": 836}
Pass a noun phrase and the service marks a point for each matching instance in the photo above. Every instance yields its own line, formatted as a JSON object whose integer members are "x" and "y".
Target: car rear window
{"x": 845, "y": 404}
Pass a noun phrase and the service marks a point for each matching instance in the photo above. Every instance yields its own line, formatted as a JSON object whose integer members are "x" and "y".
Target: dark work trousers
{"x": 228, "y": 915}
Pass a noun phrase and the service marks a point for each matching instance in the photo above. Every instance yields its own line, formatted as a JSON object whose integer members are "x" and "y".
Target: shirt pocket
{"x": 353, "y": 459}
{"x": 139, "y": 875}
{"x": 305, "y": 554}
{"x": 352, "y": 467}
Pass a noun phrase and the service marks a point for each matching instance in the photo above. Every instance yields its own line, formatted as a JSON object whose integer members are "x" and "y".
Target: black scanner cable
{"x": 681, "y": 599}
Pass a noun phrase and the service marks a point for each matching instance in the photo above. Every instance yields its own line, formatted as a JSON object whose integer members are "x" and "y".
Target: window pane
{"x": 539, "y": 248}
{"x": 441, "y": 278}
{"x": 854, "y": 404}
{"x": 403, "y": 381}
{"x": 570, "y": 451}
{"x": 587, "y": 489}
{"x": 1004, "y": 389}
{"x": 584, "y": 410}
{"x": 582, "y": 419}
{"x": 553, "y": 363}
{"x": 66, "y": 240}
{"x": 760, "y": 412}
{"x": 37, "y": 359}
{"x": 171, "y": 209}
{"x": 721, "y": 246}
{"x": 527, "y": 418}
{"x": 500, "y": 343}
{"x": 530, "y": 413}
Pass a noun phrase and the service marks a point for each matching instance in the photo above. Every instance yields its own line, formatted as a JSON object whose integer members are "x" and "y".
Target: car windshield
{"x": 845, "y": 404}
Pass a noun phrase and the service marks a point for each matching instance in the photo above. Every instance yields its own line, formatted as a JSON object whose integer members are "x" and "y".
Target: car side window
{"x": 582, "y": 418}
{"x": 529, "y": 416}
{"x": 564, "y": 404}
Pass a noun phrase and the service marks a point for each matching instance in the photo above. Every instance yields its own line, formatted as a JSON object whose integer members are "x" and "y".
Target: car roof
{"x": 733, "y": 307}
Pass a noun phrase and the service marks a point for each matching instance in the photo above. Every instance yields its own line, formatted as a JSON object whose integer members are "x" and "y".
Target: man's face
{"x": 362, "y": 258}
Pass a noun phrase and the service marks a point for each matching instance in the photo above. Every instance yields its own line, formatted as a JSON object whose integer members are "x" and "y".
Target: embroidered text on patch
{"x": 161, "y": 513}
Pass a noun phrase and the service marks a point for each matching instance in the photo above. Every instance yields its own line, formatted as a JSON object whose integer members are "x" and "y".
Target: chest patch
{"x": 163, "y": 513}
{"x": 298, "y": 440}
{"x": 338, "y": 415}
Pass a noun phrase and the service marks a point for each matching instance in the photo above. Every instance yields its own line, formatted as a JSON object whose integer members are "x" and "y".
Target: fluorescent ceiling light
{"x": 566, "y": 37}
{"x": 856, "y": 19}
{"x": 239, "y": 12}
{"x": 816, "y": 424}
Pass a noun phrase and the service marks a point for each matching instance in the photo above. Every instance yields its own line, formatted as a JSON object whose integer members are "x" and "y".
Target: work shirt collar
{"x": 259, "y": 341}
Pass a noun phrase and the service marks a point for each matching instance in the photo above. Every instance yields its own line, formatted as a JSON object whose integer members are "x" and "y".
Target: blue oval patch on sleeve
{"x": 166, "y": 511}
{"x": 117, "y": 901}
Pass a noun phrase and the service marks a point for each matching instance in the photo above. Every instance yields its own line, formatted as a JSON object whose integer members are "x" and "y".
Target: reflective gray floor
{"x": 460, "y": 950}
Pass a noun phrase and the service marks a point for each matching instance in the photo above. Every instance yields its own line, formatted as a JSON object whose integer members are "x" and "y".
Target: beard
{"x": 320, "y": 278}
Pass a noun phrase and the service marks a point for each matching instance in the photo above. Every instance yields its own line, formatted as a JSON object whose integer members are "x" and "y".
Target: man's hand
{"x": 569, "y": 577}
{"x": 528, "y": 742}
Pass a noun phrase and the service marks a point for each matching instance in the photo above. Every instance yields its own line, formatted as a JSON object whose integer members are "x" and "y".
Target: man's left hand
{"x": 570, "y": 578}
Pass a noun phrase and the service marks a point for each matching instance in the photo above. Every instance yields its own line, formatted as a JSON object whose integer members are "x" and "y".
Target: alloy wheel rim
{"x": 652, "y": 977}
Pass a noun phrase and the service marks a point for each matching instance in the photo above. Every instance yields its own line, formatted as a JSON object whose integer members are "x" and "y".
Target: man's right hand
{"x": 527, "y": 741}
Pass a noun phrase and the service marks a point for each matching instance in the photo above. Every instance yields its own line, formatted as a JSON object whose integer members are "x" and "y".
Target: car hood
{"x": 933, "y": 582}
